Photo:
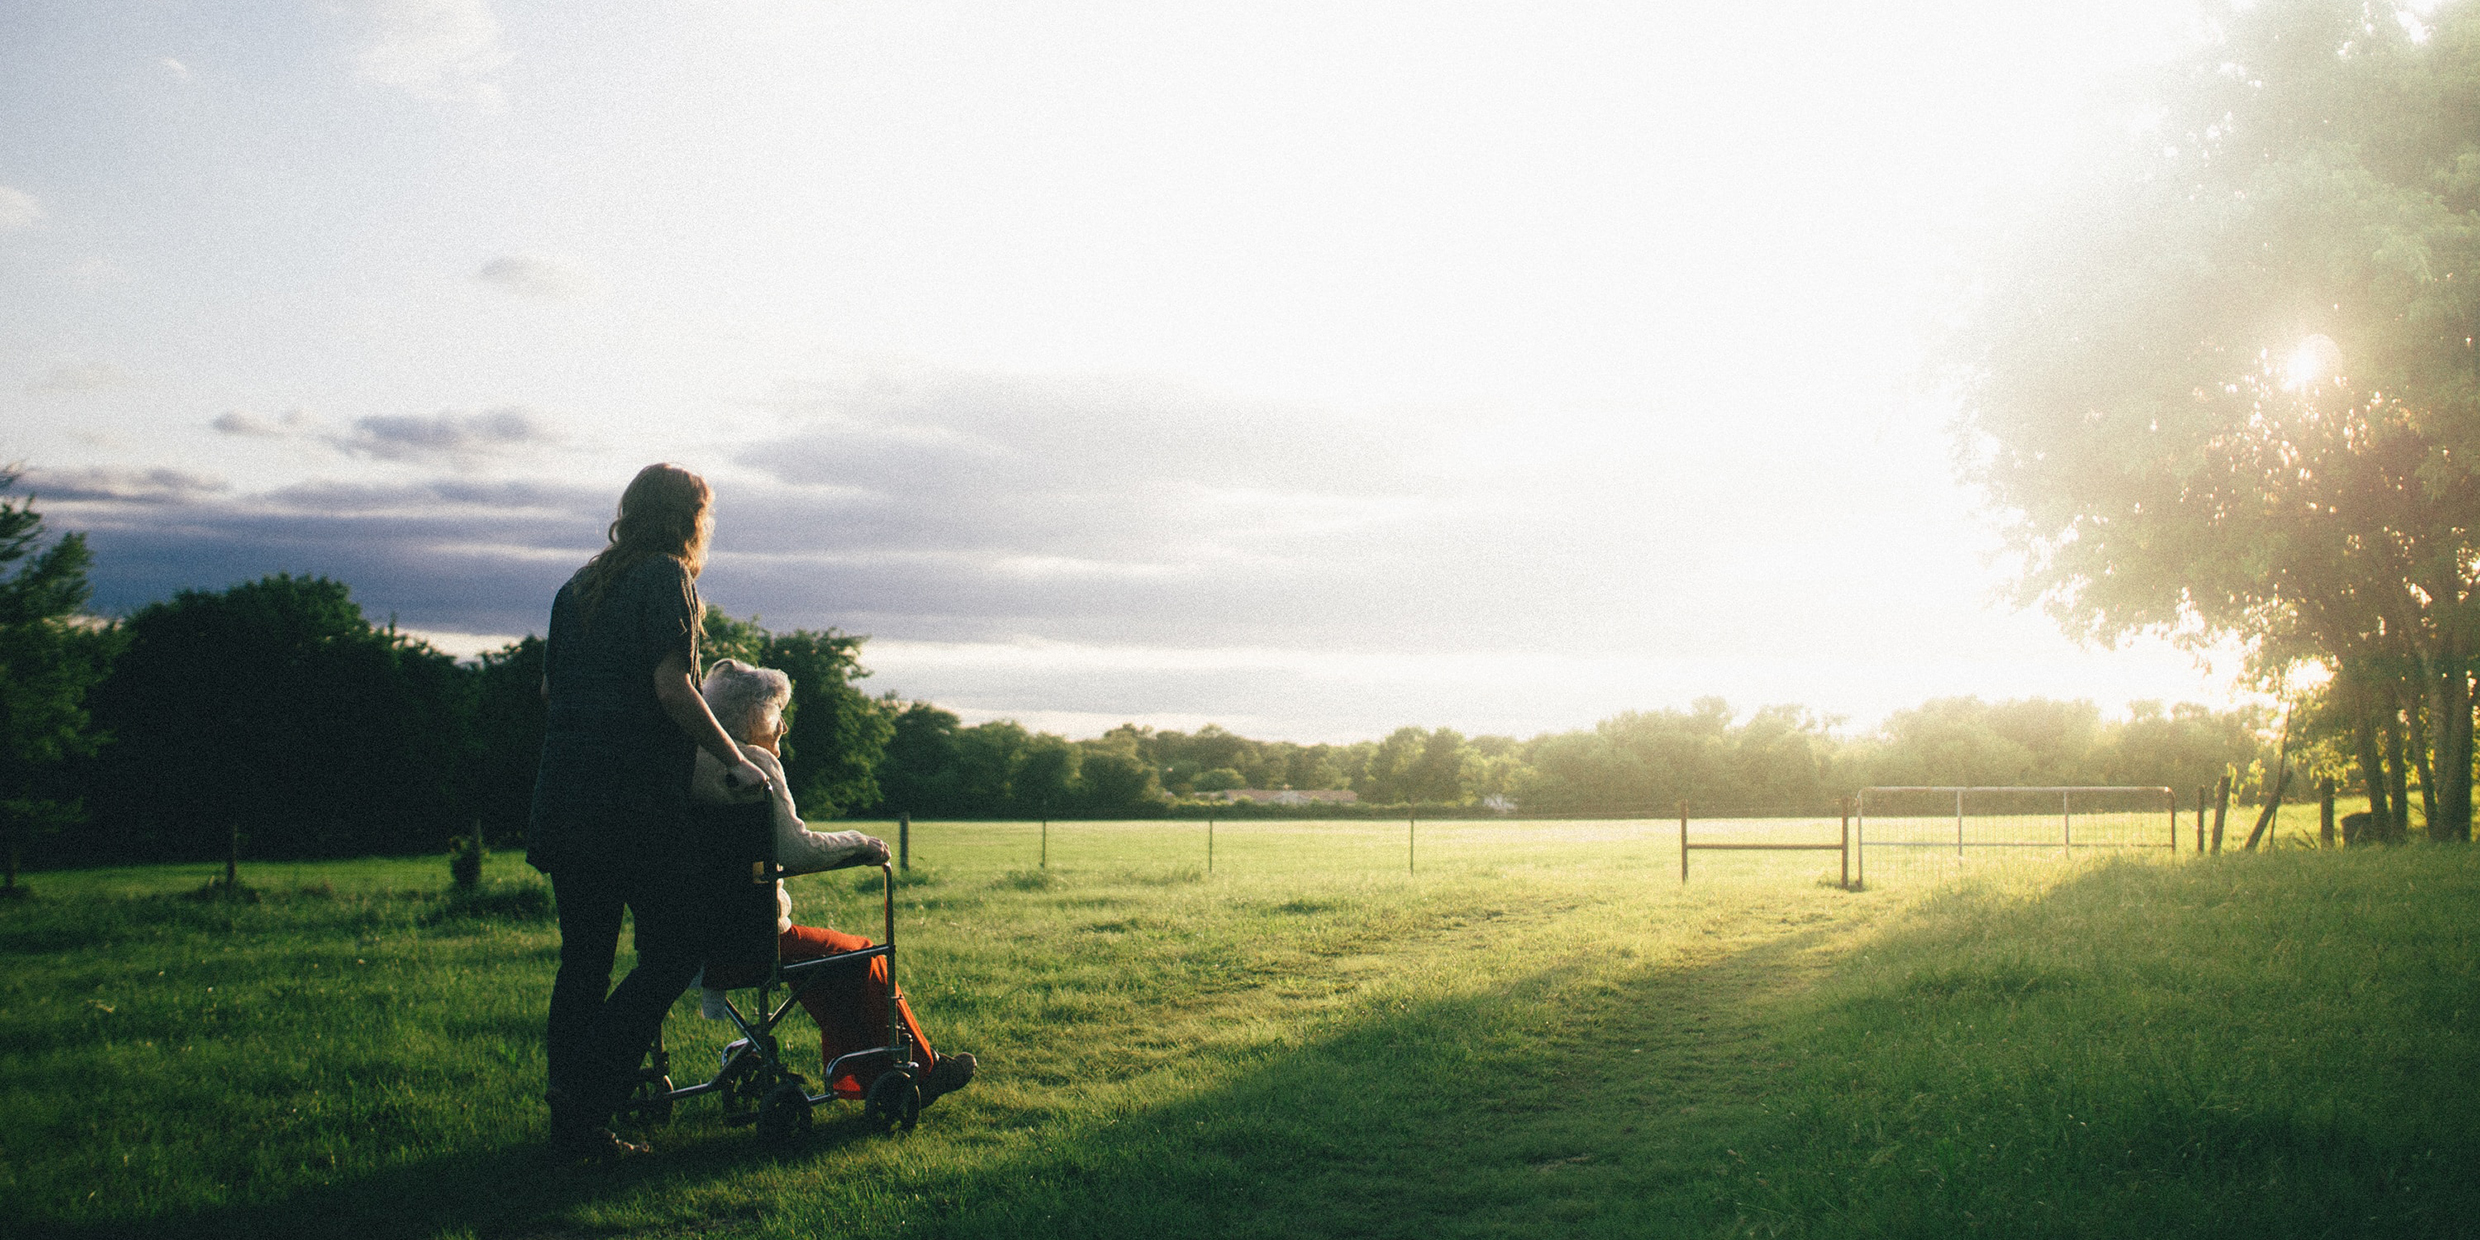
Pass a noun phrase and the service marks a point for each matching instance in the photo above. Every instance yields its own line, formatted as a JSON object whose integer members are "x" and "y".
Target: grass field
{"x": 1538, "y": 1032}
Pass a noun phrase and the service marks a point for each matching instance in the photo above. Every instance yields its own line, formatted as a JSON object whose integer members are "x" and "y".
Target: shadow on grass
{"x": 1484, "y": 1114}
{"x": 1935, "y": 1091}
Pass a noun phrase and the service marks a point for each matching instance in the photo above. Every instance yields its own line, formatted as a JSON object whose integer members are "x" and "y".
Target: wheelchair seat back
{"x": 736, "y": 883}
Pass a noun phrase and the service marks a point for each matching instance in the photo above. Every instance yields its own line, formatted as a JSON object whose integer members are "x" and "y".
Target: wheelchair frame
{"x": 753, "y": 1082}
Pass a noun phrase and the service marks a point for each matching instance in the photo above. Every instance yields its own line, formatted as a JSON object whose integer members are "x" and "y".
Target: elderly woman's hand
{"x": 876, "y": 852}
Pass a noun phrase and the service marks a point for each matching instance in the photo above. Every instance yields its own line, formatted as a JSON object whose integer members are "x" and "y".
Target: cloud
{"x": 446, "y": 50}
{"x": 172, "y": 69}
{"x": 131, "y": 486}
{"x": 80, "y": 377}
{"x": 18, "y": 209}
{"x": 242, "y": 422}
{"x": 461, "y": 438}
{"x": 534, "y": 275}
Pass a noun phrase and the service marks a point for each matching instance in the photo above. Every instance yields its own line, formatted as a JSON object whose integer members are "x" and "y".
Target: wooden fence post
{"x": 2200, "y": 796}
{"x": 2325, "y": 815}
{"x": 1683, "y": 842}
{"x": 1846, "y": 851}
{"x": 2273, "y": 806}
{"x": 2221, "y": 811}
{"x": 904, "y": 841}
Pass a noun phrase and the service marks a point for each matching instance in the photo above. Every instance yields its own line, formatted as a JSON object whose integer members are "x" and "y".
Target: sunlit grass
{"x": 1541, "y": 1031}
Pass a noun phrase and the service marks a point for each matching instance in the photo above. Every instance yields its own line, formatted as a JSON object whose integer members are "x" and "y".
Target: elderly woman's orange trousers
{"x": 851, "y": 1011}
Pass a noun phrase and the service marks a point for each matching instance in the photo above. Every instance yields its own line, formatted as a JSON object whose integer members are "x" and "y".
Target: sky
{"x": 1311, "y": 369}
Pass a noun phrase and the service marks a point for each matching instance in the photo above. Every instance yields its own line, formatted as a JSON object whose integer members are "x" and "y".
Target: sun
{"x": 2317, "y": 358}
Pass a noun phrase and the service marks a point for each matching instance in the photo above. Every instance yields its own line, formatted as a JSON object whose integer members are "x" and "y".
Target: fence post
{"x": 1846, "y": 850}
{"x": 2325, "y": 815}
{"x": 2200, "y": 796}
{"x": 904, "y": 841}
{"x": 2173, "y": 798}
{"x": 2221, "y": 811}
{"x": 1683, "y": 842}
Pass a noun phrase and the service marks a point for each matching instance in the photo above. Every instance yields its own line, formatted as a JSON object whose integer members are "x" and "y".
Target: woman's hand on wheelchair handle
{"x": 745, "y": 777}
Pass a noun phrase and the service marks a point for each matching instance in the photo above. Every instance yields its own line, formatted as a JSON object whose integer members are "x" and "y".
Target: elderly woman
{"x": 749, "y": 703}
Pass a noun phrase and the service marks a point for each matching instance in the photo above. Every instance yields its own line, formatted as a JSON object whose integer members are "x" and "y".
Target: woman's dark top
{"x": 613, "y": 787}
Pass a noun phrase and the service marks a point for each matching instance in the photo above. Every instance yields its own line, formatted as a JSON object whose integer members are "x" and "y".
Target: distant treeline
{"x": 276, "y": 707}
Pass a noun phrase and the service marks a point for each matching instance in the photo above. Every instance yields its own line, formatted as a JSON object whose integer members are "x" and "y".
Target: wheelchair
{"x": 736, "y": 873}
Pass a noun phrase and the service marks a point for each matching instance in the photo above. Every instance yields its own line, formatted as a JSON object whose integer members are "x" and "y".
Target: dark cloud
{"x": 250, "y": 425}
{"x": 979, "y": 509}
{"x": 125, "y": 486}
{"x": 456, "y": 437}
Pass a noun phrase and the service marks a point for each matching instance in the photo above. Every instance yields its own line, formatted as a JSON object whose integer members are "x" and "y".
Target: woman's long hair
{"x": 666, "y": 511}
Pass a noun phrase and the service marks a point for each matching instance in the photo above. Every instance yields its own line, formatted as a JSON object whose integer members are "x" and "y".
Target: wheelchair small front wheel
{"x": 894, "y": 1101}
{"x": 650, "y": 1102}
{"x": 784, "y": 1114}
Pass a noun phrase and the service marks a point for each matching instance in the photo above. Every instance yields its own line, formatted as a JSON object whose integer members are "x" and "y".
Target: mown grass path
{"x": 1559, "y": 1046}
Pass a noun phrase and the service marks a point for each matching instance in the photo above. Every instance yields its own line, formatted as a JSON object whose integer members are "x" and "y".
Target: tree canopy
{"x": 2225, "y": 384}
{"x": 49, "y": 658}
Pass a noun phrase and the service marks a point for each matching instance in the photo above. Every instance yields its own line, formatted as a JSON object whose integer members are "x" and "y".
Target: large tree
{"x": 2226, "y": 386}
{"x": 276, "y": 709}
{"x": 49, "y": 657}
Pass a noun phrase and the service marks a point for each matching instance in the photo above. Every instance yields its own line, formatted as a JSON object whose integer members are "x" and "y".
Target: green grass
{"x": 1540, "y": 1032}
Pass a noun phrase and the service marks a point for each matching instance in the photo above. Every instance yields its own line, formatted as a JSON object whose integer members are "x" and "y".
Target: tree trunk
{"x": 2397, "y": 775}
{"x": 2415, "y": 716}
{"x": 2449, "y": 714}
{"x": 2371, "y": 761}
{"x": 2325, "y": 815}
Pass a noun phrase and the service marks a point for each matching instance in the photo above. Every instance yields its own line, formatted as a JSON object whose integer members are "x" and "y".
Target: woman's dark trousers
{"x": 595, "y": 1041}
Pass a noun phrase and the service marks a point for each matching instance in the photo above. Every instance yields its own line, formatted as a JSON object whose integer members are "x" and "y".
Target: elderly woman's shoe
{"x": 949, "y": 1074}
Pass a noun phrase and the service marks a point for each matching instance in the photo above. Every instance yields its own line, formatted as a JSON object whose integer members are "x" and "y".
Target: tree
{"x": 275, "y": 709}
{"x": 838, "y": 733}
{"x": 505, "y": 710}
{"x": 49, "y": 659}
{"x": 2228, "y": 386}
{"x": 918, "y": 774}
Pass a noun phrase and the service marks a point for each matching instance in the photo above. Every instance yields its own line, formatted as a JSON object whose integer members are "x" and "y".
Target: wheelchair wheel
{"x": 893, "y": 1102}
{"x": 784, "y": 1115}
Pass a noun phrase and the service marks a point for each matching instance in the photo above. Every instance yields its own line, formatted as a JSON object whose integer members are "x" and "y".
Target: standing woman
{"x": 611, "y": 797}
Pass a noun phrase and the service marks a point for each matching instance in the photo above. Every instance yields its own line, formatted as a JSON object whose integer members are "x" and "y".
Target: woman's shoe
{"x": 949, "y": 1074}
{"x": 592, "y": 1145}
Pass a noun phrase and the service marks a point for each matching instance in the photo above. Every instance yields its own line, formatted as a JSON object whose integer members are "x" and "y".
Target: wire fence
{"x": 1885, "y": 835}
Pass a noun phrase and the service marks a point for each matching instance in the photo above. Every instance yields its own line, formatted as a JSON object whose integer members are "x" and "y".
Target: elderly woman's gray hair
{"x": 743, "y": 696}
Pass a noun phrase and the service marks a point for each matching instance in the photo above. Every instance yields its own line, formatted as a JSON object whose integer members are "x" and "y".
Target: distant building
{"x": 1287, "y": 796}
